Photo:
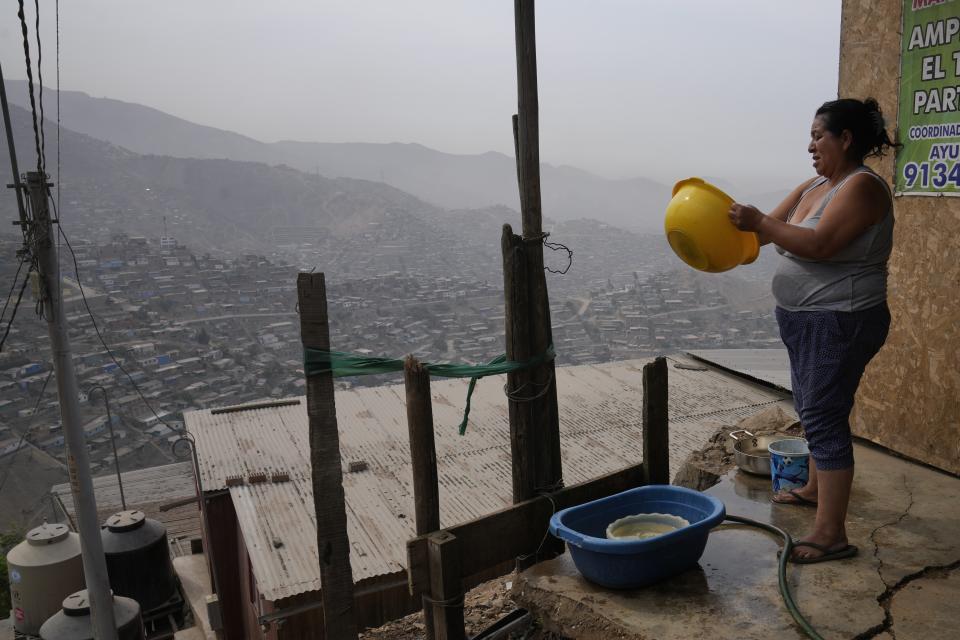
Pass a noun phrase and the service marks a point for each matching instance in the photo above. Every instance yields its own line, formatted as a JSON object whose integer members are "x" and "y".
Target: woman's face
{"x": 829, "y": 151}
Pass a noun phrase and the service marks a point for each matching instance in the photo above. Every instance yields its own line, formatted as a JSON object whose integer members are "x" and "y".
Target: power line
{"x": 13, "y": 314}
{"x": 23, "y": 436}
{"x": 13, "y": 285}
{"x": 76, "y": 270}
{"x": 43, "y": 142}
{"x": 33, "y": 102}
{"x": 58, "y": 103}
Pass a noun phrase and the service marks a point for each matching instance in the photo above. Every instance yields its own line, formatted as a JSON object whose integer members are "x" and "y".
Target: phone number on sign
{"x": 932, "y": 174}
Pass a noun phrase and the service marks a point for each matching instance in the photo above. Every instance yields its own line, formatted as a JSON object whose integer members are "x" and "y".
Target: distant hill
{"x": 222, "y": 204}
{"x": 447, "y": 180}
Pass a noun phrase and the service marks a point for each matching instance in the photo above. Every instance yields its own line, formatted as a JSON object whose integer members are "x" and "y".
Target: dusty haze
{"x": 627, "y": 88}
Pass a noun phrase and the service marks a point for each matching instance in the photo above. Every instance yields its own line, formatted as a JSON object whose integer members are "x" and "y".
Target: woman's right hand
{"x": 745, "y": 217}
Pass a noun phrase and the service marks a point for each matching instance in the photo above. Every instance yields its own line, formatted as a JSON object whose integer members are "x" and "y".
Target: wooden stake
{"x": 548, "y": 470}
{"x": 423, "y": 455}
{"x": 446, "y": 586}
{"x": 517, "y": 331}
{"x": 336, "y": 577}
{"x": 656, "y": 440}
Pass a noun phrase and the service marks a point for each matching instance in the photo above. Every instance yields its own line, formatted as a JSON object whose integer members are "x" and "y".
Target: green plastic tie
{"x": 339, "y": 364}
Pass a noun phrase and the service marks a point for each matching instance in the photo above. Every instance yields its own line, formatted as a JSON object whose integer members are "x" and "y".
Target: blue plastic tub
{"x": 628, "y": 564}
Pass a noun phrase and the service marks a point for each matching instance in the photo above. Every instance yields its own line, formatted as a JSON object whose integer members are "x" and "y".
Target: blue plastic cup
{"x": 789, "y": 464}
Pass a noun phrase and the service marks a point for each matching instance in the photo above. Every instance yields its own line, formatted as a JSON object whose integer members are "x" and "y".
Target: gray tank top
{"x": 853, "y": 279}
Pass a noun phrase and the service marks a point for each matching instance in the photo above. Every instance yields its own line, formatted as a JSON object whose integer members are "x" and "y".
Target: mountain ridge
{"x": 447, "y": 180}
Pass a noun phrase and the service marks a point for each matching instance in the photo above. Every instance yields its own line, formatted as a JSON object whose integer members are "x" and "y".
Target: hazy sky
{"x": 666, "y": 89}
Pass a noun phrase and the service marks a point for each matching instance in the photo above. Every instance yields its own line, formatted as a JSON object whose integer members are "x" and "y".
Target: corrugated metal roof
{"x": 600, "y": 422}
{"x": 768, "y": 365}
{"x": 146, "y": 490}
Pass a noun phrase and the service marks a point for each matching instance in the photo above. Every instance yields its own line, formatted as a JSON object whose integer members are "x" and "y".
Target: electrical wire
{"x": 33, "y": 102}
{"x": 57, "y": 13}
{"x": 43, "y": 142}
{"x": 96, "y": 328}
{"x": 23, "y": 436}
{"x": 13, "y": 285}
{"x": 13, "y": 314}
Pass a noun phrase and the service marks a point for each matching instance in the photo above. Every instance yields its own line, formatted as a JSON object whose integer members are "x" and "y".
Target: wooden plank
{"x": 656, "y": 444}
{"x": 423, "y": 456}
{"x": 514, "y": 531}
{"x": 336, "y": 577}
{"x": 446, "y": 586}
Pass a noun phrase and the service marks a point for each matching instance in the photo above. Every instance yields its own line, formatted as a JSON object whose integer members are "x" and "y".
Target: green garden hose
{"x": 782, "y": 571}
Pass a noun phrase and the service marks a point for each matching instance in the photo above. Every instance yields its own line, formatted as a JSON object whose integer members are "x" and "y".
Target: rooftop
{"x": 147, "y": 490}
{"x": 600, "y": 425}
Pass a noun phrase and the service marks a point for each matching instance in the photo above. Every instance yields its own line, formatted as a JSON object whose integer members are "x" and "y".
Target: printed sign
{"x": 929, "y": 115}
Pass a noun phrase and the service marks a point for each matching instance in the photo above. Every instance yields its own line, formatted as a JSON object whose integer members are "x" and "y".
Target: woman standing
{"x": 834, "y": 233}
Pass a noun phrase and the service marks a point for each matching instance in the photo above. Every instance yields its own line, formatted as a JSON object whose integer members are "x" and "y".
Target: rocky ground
{"x": 483, "y": 606}
{"x": 702, "y": 469}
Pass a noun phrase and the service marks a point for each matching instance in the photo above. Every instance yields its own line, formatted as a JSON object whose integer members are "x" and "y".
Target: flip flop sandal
{"x": 797, "y": 499}
{"x": 828, "y": 554}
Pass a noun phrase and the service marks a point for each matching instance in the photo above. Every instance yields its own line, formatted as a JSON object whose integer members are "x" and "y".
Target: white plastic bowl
{"x": 643, "y": 526}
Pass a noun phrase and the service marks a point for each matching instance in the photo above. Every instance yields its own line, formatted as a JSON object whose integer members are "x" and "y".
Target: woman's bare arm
{"x": 782, "y": 210}
{"x": 861, "y": 203}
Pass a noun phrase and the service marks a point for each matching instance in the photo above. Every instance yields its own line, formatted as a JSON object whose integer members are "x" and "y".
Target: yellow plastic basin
{"x": 700, "y": 232}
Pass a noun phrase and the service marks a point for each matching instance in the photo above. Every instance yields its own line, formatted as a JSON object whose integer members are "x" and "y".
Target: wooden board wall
{"x": 909, "y": 400}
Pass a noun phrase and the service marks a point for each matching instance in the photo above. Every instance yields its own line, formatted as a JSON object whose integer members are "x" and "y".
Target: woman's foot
{"x": 823, "y": 554}
{"x": 820, "y": 548}
{"x": 802, "y": 496}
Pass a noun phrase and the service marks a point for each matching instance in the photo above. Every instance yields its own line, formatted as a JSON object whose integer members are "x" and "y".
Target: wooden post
{"x": 656, "y": 443}
{"x": 446, "y": 586}
{"x": 545, "y": 421}
{"x": 517, "y": 334}
{"x": 336, "y": 578}
{"x": 423, "y": 453}
{"x": 423, "y": 456}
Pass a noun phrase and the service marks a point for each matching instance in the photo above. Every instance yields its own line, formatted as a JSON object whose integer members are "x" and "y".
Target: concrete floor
{"x": 904, "y": 583}
{"x": 195, "y": 583}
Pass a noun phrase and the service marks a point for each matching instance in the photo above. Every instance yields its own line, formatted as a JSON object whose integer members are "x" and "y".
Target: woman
{"x": 834, "y": 233}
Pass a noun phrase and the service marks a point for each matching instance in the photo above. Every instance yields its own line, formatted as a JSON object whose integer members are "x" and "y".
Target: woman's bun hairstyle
{"x": 863, "y": 119}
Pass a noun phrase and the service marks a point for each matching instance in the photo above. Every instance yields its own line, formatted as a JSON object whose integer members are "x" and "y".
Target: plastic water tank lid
{"x": 48, "y": 534}
{"x": 77, "y": 604}
{"x": 126, "y": 521}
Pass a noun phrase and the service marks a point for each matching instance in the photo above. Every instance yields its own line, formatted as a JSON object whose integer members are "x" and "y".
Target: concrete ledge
{"x": 902, "y": 517}
{"x": 195, "y": 580}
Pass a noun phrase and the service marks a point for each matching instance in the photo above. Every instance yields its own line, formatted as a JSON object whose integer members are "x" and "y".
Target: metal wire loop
{"x": 515, "y": 396}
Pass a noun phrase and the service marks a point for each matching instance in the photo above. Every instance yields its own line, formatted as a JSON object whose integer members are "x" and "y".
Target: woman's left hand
{"x": 745, "y": 217}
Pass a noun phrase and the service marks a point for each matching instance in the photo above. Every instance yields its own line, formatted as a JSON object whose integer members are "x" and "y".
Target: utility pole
{"x": 44, "y": 248}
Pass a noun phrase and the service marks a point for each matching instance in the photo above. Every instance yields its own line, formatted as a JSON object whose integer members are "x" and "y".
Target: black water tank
{"x": 138, "y": 559}
{"x": 73, "y": 621}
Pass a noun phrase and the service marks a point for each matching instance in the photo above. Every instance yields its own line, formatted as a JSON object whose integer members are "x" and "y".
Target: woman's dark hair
{"x": 864, "y": 121}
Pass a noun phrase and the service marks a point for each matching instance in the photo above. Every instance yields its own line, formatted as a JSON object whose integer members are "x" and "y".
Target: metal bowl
{"x": 750, "y": 451}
